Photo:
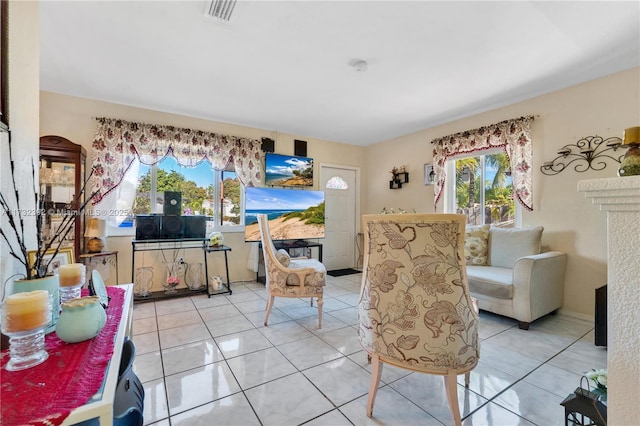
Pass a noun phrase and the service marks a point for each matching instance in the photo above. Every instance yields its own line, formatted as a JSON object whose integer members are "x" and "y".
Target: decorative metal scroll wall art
{"x": 589, "y": 152}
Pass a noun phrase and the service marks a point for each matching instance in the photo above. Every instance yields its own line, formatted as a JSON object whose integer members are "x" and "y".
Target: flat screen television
{"x": 293, "y": 214}
{"x": 288, "y": 170}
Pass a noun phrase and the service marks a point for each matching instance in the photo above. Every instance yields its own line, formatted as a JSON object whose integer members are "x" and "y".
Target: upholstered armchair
{"x": 289, "y": 277}
{"x": 415, "y": 310}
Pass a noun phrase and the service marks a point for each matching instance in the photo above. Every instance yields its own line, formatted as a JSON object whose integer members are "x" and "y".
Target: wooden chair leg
{"x": 269, "y": 306}
{"x": 451, "y": 385}
{"x": 320, "y": 303}
{"x": 376, "y": 373}
{"x": 523, "y": 325}
{"x": 467, "y": 379}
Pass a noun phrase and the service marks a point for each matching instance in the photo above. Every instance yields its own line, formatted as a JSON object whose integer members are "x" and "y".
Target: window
{"x": 482, "y": 189}
{"x": 337, "y": 182}
{"x": 204, "y": 191}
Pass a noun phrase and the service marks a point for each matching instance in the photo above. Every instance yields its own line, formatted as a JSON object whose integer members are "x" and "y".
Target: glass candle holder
{"x": 72, "y": 278}
{"x": 24, "y": 319}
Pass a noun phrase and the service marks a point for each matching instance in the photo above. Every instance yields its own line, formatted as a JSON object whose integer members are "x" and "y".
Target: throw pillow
{"x": 510, "y": 244}
{"x": 283, "y": 257}
{"x": 476, "y": 243}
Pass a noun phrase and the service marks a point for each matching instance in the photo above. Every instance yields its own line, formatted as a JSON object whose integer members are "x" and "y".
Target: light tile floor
{"x": 210, "y": 361}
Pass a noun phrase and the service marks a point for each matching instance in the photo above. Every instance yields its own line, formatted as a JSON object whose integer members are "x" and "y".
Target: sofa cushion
{"x": 476, "y": 241}
{"x": 491, "y": 281}
{"x": 283, "y": 257}
{"x": 316, "y": 279}
{"x": 506, "y": 245}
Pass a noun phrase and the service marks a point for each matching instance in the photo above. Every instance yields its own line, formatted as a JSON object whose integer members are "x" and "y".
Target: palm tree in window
{"x": 466, "y": 188}
{"x": 499, "y": 193}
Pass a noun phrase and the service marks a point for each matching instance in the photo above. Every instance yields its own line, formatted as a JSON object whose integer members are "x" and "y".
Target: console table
{"x": 91, "y": 260}
{"x": 181, "y": 244}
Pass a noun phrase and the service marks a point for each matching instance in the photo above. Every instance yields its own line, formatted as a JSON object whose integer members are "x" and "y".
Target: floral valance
{"x": 117, "y": 143}
{"x": 513, "y": 135}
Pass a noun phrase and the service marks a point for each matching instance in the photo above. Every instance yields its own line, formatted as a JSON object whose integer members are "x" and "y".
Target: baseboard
{"x": 577, "y": 315}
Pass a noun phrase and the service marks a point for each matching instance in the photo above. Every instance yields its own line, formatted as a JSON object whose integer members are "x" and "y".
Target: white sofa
{"x": 517, "y": 280}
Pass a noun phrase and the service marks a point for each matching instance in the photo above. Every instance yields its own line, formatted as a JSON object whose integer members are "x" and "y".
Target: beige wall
{"x": 23, "y": 91}
{"x": 603, "y": 107}
{"x": 73, "y": 118}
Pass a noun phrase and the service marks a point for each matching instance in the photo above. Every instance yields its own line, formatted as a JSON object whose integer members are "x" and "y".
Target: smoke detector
{"x": 360, "y": 66}
{"x": 220, "y": 9}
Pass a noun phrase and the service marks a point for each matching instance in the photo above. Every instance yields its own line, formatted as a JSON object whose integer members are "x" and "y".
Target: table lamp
{"x": 95, "y": 231}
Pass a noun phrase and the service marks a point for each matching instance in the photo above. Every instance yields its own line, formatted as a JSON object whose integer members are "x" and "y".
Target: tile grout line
{"x": 522, "y": 379}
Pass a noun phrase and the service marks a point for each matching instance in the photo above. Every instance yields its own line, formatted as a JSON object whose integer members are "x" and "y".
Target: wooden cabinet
{"x": 62, "y": 176}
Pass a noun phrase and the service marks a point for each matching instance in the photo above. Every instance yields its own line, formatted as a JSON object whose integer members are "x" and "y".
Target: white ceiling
{"x": 287, "y": 66}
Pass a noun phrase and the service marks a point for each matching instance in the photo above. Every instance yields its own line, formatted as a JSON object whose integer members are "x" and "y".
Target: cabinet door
{"x": 62, "y": 175}
{"x": 57, "y": 187}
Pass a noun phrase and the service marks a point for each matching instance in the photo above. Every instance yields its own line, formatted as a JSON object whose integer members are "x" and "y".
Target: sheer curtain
{"x": 514, "y": 136}
{"x": 117, "y": 143}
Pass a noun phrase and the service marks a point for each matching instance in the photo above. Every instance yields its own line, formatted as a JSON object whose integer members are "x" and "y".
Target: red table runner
{"x": 73, "y": 373}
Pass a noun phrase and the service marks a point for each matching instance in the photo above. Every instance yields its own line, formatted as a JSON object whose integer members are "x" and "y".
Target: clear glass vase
{"x": 173, "y": 278}
{"x": 194, "y": 279}
{"x": 144, "y": 281}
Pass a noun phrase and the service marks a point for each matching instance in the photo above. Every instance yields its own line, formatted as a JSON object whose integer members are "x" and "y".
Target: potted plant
{"x": 599, "y": 379}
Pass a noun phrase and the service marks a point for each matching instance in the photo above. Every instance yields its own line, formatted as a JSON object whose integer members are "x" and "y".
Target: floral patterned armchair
{"x": 290, "y": 277}
{"x": 415, "y": 310}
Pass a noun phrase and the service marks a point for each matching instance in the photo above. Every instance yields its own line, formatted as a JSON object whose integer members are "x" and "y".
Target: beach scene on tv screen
{"x": 292, "y": 214}
{"x": 286, "y": 170}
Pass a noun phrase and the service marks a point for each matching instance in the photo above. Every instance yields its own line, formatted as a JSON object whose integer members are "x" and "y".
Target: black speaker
{"x": 194, "y": 226}
{"x": 267, "y": 145}
{"x": 299, "y": 148}
{"x": 171, "y": 227}
{"x": 148, "y": 227}
{"x": 172, "y": 203}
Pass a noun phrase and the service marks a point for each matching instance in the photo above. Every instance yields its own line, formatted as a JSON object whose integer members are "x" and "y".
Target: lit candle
{"x": 71, "y": 275}
{"x": 26, "y": 311}
{"x": 631, "y": 136}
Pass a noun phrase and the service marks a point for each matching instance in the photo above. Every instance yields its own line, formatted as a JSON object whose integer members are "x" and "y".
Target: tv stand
{"x": 288, "y": 245}
{"x": 293, "y": 244}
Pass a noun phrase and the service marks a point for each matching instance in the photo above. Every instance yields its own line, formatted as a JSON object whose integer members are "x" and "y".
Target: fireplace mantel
{"x": 620, "y": 198}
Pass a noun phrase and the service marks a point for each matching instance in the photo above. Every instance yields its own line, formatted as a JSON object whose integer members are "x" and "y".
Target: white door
{"x": 339, "y": 185}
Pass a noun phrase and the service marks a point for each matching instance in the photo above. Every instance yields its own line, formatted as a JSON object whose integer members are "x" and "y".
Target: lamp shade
{"x": 95, "y": 228}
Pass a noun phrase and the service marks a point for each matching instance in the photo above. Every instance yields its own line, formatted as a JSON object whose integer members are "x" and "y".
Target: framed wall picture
{"x": 429, "y": 174}
{"x": 63, "y": 257}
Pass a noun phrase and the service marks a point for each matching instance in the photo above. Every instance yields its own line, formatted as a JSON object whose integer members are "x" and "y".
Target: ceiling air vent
{"x": 220, "y": 9}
